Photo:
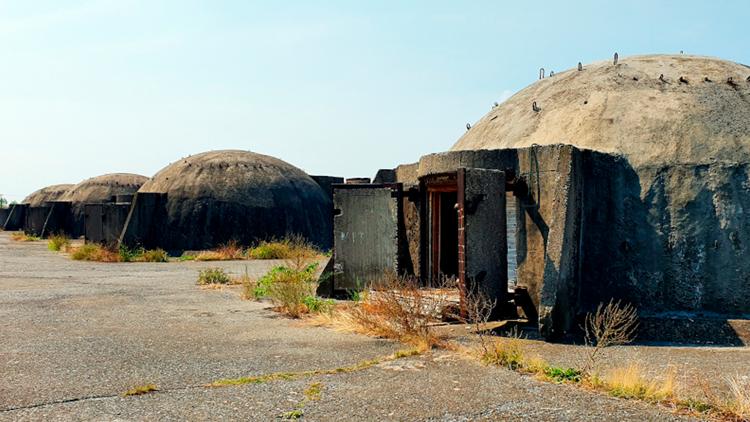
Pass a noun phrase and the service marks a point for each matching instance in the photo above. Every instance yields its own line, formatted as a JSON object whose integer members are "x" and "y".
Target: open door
{"x": 482, "y": 234}
{"x": 366, "y": 233}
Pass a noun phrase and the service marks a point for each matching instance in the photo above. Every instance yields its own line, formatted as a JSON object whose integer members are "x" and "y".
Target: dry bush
{"x": 228, "y": 252}
{"x": 477, "y": 310}
{"x": 94, "y": 252}
{"x": 630, "y": 382}
{"x": 397, "y": 308}
{"x": 505, "y": 352}
{"x": 612, "y": 324}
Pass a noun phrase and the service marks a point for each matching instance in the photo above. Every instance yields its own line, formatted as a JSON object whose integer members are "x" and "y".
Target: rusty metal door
{"x": 483, "y": 262}
{"x": 366, "y": 233}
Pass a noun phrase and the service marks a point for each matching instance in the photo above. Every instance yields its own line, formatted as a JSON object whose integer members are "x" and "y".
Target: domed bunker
{"x": 108, "y": 188}
{"x": 219, "y": 196}
{"x": 46, "y": 194}
{"x": 624, "y": 179}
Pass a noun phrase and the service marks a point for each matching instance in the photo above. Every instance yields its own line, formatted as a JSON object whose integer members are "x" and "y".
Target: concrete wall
{"x": 327, "y": 182}
{"x": 35, "y": 218}
{"x": 104, "y": 223}
{"x": 146, "y": 221}
{"x": 549, "y": 213}
{"x": 59, "y": 219}
{"x": 366, "y": 236}
{"x": 4, "y": 213}
{"x": 16, "y": 217}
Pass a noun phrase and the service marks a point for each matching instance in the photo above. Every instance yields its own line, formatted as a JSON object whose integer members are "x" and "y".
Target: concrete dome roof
{"x": 627, "y": 109}
{"x": 103, "y": 188}
{"x": 49, "y": 193}
{"x": 228, "y": 175}
{"x": 217, "y": 196}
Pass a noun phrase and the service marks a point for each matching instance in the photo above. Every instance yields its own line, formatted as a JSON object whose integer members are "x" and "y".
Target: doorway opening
{"x": 443, "y": 210}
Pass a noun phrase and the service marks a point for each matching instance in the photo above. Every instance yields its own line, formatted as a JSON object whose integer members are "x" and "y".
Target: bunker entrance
{"x": 444, "y": 233}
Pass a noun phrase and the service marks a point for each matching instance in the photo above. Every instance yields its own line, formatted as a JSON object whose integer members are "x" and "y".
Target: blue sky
{"x": 342, "y": 88}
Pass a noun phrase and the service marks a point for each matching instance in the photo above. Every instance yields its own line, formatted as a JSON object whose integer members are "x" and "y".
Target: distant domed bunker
{"x": 219, "y": 196}
{"x": 99, "y": 190}
{"x": 46, "y": 194}
{"x": 625, "y": 180}
{"x": 16, "y": 214}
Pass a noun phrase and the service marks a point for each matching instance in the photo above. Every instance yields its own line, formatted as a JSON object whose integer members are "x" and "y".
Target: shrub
{"x": 315, "y": 304}
{"x": 740, "y": 402}
{"x": 289, "y": 289}
{"x": 154, "y": 255}
{"x": 213, "y": 276}
{"x": 58, "y": 242}
{"x": 127, "y": 254}
{"x": 23, "y": 237}
{"x": 227, "y": 252}
{"x": 294, "y": 248}
{"x": 611, "y": 325}
{"x": 271, "y": 250}
{"x": 280, "y": 273}
{"x": 397, "y": 308}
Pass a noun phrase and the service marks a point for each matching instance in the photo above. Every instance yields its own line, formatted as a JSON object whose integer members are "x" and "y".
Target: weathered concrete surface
{"x": 366, "y": 235}
{"x": 549, "y": 227}
{"x": 218, "y": 196}
{"x": 665, "y": 224}
{"x": 46, "y": 194}
{"x": 75, "y": 335}
{"x": 481, "y": 231}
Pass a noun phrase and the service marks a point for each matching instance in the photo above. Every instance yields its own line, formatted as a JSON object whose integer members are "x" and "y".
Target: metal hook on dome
{"x": 580, "y": 66}
{"x": 468, "y": 126}
{"x": 541, "y": 73}
{"x": 683, "y": 80}
{"x": 551, "y": 73}
{"x": 617, "y": 56}
{"x": 748, "y": 79}
{"x": 731, "y": 82}
{"x": 495, "y": 104}
{"x": 535, "y": 107}
{"x": 661, "y": 78}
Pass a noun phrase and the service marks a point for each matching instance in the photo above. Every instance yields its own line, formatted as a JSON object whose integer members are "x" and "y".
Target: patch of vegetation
{"x": 293, "y": 414}
{"x": 141, "y": 390}
{"x": 316, "y": 304}
{"x": 187, "y": 257}
{"x": 397, "y": 308}
{"x": 154, "y": 255}
{"x": 612, "y": 324}
{"x": 314, "y": 391}
{"x": 288, "y": 248}
{"x": 560, "y": 375}
{"x": 213, "y": 276}
{"x": 23, "y": 237}
{"x": 58, "y": 242}
{"x": 506, "y": 353}
{"x": 94, "y": 252}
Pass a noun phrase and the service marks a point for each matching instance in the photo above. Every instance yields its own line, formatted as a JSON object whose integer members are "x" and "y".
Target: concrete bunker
{"x": 209, "y": 199}
{"x": 623, "y": 186}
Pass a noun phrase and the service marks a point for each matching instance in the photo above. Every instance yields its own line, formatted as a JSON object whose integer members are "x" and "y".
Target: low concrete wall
{"x": 35, "y": 218}
{"x": 16, "y": 217}
{"x": 59, "y": 220}
{"x": 4, "y": 213}
{"x": 146, "y": 221}
{"x": 104, "y": 223}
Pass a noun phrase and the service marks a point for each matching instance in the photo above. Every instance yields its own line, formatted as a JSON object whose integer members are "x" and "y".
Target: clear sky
{"x": 341, "y": 88}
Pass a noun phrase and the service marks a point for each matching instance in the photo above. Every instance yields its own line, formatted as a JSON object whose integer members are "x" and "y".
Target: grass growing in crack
{"x": 285, "y": 376}
{"x": 213, "y": 276}
{"x": 631, "y": 383}
{"x": 286, "y": 248}
{"x": 58, "y": 242}
{"x": 141, "y": 390}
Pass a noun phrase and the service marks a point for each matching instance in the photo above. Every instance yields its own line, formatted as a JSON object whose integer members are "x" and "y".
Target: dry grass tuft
{"x": 94, "y": 252}
{"x": 630, "y": 382}
{"x": 291, "y": 247}
{"x": 739, "y": 403}
{"x": 23, "y": 237}
{"x": 213, "y": 276}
